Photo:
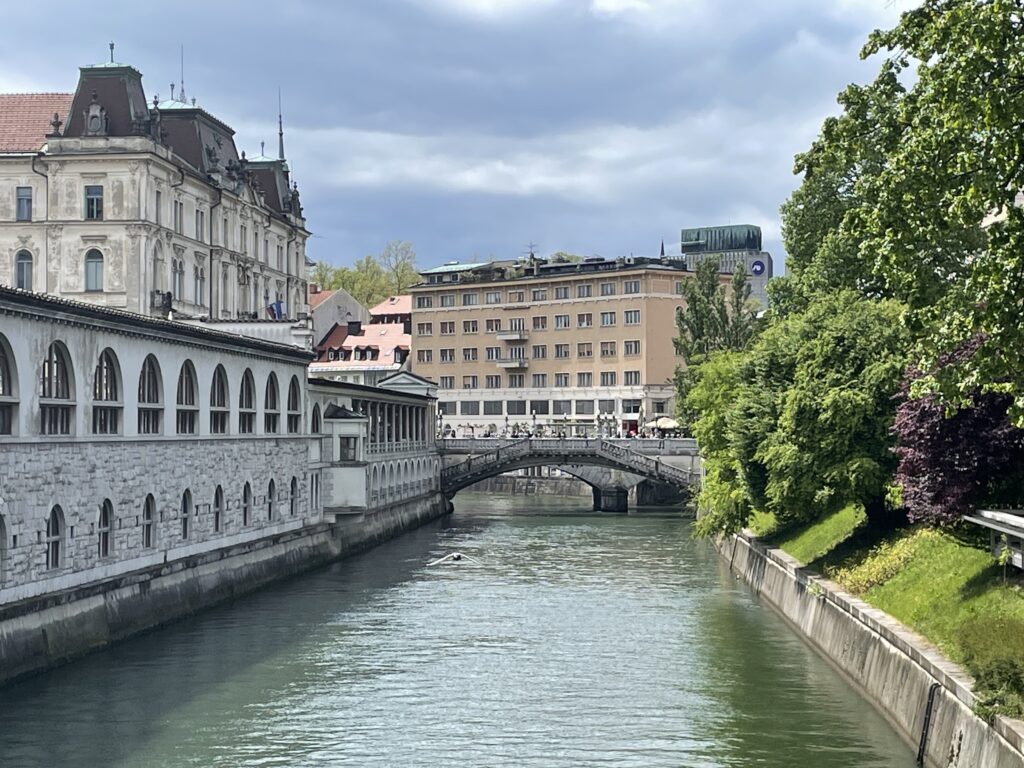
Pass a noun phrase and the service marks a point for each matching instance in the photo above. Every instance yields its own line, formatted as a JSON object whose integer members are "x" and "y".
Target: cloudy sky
{"x": 474, "y": 127}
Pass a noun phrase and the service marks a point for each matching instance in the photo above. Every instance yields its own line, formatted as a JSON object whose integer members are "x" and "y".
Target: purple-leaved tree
{"x": 950, "y": 463}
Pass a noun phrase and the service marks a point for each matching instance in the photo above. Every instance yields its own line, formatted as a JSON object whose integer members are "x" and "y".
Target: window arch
{"x": 247, "y": 404}
{"x": 271, "y": 500}
{"x": 188, "y": 404}
{"x": 104, "y": 529}
{"x": 93, "y": 270}
{"x": 54, "y": 538}
{"x": 150, "y": 403}
{"x": 8, "y": 388}
{"x": 56, "y": 394}
{"x": 271, "y": 406}
{"x": 294, "y": 407}
{"x": 314, "y": 422}
{"x": 220, "y": 408}
{"x": 218, "y": 508}
{"x": 246, "y": 503}
{"x": 149, "y": 521}
{"x": 106, "y": 395}
{"x": 23, "y": 271}
{"x": 293, "y": 498}
{"x": 186, "y": 512}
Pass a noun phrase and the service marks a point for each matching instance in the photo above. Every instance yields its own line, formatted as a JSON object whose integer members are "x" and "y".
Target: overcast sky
{"x": 473, "y": 127}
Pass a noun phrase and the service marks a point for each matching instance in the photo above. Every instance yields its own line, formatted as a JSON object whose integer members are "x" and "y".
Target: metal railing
{"x": 668, "y": 446}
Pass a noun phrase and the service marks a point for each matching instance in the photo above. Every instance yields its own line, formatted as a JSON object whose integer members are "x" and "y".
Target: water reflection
{"x": 578, "y": 640}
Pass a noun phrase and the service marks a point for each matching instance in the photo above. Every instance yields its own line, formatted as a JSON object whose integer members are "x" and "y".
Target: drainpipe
{"x": 220, "y": 200}
{"x": 46, "y": 235}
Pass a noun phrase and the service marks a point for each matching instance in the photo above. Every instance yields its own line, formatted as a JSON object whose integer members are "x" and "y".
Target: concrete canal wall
{"x": 43, "y": 632}
{"x": 893, "y": 667}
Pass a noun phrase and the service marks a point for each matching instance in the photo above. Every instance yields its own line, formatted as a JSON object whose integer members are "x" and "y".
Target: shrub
{"x": 881, "y": 563}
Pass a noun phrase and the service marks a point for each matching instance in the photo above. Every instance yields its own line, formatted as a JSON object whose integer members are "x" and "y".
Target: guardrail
{"x": 668, "y": 446}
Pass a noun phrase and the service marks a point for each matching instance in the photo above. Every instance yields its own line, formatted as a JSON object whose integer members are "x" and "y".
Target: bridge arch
{"x": 623, "y": 456}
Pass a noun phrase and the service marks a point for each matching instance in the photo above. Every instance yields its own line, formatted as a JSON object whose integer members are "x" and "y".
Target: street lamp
{"x": 533, "y": 415}
{"x": 440, "y": 421}
{"x": 505, "y": 433}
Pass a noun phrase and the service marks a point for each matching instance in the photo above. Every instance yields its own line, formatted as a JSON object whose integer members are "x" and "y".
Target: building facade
{"x": 128, "y": 443}
{"x": 367, "y": 353}
{"x": 580, "y": 348}
{"x": 108, "y": 198}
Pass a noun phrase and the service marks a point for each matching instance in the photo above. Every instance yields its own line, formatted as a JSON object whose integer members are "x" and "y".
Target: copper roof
{"x": 25, "y": 119}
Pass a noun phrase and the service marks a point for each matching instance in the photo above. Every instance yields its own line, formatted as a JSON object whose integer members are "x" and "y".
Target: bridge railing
{"x": 669, "y": 446}
{"x": 616, "y": 452}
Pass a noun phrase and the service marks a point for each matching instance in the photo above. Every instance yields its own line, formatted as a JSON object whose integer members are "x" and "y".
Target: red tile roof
{"x": 25, "y": 119}
{"x": 314, "y": 299}
{"x": 393, "y": 305}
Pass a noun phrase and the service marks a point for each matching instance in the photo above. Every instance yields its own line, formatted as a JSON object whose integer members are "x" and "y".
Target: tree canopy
{"x": 374, "y": 277}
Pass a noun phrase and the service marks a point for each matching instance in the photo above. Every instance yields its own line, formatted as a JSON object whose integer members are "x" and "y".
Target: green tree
{"x": 931, "y": 219}
{"x": 711, "y": 317}
{"x": 372, "y": 278}
{"x": 398, "y": 260}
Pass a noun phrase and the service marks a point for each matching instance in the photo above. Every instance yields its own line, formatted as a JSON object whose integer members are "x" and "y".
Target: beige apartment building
{"x": 582, "y": 348}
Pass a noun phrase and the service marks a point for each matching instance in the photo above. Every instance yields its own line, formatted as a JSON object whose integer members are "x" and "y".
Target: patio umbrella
{"x": 663, "y": 422}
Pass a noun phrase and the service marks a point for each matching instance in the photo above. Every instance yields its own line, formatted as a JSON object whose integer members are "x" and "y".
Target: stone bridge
{"x": 611, "y": 467}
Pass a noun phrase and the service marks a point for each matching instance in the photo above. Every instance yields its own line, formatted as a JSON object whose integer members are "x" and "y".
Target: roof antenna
{"x": 173, "y": 86}
{"x": 111, "y": 53}
{"x": 181, "y": 95}
{"x": 262, "y": 144}
{"x": 280, "y": 127}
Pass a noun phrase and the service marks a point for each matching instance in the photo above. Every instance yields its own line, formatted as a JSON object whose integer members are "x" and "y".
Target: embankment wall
{"x": 893, "y": 667}
{"x": 46, "y": 631}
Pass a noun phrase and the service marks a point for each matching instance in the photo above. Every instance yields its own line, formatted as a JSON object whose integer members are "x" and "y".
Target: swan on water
{"x": 453, "y": 557}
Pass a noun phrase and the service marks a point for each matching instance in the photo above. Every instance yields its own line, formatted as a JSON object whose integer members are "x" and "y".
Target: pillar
{"x": 611, "y": 500}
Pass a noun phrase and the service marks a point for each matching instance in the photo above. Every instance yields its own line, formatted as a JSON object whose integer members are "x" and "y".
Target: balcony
{"x": 513, "y": 364}
{"x": 509, "y": 335}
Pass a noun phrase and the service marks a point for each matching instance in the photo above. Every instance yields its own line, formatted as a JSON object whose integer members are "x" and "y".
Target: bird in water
{"x": 453, "y": 557}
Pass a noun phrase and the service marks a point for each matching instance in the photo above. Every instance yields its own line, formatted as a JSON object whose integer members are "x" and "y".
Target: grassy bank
{"x": 943, "y": 584}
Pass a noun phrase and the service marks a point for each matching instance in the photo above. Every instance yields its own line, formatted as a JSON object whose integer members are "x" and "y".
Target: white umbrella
{"x": 664, "y": 422}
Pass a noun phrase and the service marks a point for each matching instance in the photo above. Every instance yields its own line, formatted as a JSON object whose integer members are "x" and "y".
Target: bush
{"x": 993, "y": 652}
{"x": 881, "y": 563}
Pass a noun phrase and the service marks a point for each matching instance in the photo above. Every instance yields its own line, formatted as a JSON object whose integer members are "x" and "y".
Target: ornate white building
{"x": 112, "y": 199}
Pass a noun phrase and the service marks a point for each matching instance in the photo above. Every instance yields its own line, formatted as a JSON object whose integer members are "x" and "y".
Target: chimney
{"x": 314, "y": 289}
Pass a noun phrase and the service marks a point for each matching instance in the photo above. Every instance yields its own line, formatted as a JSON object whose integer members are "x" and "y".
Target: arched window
{"x": 247, "y": 405}
{"x": 294, "y": 407}
{"x": 56, "y": 403}
{"x": 218, "y": 508}
{"x": 188, "y": 406}
{"x": 23, "y": 271}
{"x": 246, "y": 503}
{"x": 271, "y": 500}
{"x": 106, "y": 395}
{"x": 104, "y": 529}
{"x": 8, "y": 384}
{"x": 150, "y": 407}
{"x": 293, "y": 499}
{"x": 54, "y": 538}
{"x": 219, "y": 408}
{"x": 148, "y": 521}
{"x": 186, "y": 512}
{"x": 271, "y": 406}
{"x": 314, "y": 422}
{"x": 93, "y": 270}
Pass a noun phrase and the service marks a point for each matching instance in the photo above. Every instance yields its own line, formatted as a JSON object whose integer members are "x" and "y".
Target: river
{"x": 577, "y": 639}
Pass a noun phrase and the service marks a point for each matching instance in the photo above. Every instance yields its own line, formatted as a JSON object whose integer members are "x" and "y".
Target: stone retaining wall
{"x": 893, "y": 667}
{"x": 44, "y": 632}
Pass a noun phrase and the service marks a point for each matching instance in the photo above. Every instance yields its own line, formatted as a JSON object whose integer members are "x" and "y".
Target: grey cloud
{"x": 469, "y": 133}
